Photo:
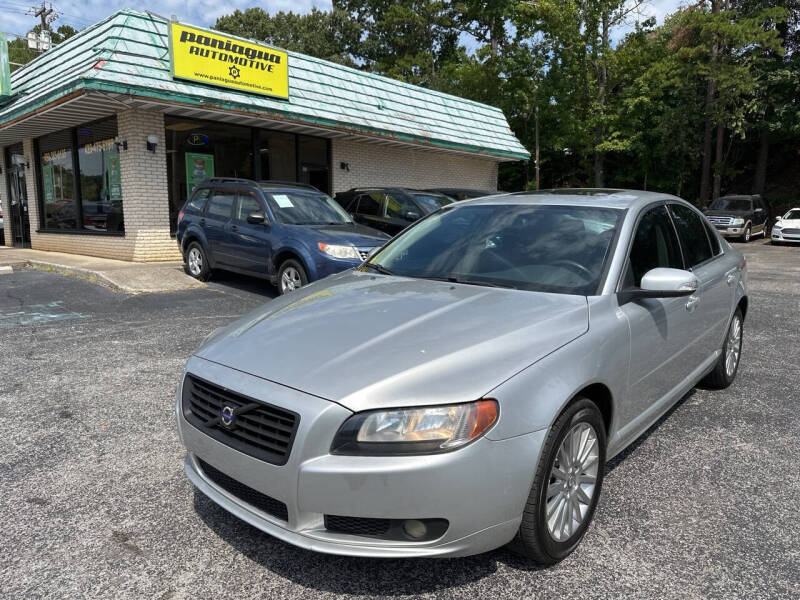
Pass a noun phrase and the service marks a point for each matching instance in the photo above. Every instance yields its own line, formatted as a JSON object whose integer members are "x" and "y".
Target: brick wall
{"x": 145, "y": 204}
{"x": 5, "y": 200}
{"x": 373, "y": 164}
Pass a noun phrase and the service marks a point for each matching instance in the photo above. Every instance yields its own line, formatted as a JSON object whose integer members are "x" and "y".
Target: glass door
{"x": 20, "y": 224}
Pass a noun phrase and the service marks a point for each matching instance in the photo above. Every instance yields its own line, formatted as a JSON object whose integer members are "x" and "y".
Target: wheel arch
{"x": 602, "y": 397}
{"x": 285, "y": 254}
{"x": 742, "y": 305}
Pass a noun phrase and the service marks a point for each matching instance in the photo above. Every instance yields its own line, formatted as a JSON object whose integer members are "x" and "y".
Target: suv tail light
{"x": 180, "y": 217}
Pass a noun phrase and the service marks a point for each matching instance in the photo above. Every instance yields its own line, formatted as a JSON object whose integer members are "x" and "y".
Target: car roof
{"x": 594, "y": 197}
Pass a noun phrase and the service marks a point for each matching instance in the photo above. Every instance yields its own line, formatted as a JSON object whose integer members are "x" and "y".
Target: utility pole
{"x": 536, "y": 123}
{"x": 45, "y": 14}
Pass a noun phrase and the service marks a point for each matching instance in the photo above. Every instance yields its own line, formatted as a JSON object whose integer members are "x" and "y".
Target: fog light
{"x": 414, "y": 529}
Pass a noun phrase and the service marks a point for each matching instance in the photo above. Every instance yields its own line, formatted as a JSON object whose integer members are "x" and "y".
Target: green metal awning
{"x": 123, "y": 62}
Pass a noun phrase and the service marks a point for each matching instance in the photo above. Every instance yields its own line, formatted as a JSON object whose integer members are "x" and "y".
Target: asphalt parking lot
{"x": 94, "y": 502}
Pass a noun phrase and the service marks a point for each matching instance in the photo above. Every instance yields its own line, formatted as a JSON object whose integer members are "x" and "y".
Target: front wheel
{"x": 566, "y": 486}
{"x": 292, "y": 275}
{"x": 747, "y": 234}
{"x": 728, "y": 364}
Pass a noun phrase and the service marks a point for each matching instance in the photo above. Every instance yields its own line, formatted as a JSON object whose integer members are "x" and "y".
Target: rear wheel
{"x": 291, "y": 276}
{"x": 566, "y": 485}
{"x": 728, "y": 364}
{"x": 196, "y": 262}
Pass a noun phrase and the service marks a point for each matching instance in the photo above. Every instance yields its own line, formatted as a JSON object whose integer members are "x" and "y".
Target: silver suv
{"x": 463, "y": 388}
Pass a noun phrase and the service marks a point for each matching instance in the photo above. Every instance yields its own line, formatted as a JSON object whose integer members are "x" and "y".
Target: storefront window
{"x": 278, "y": 155}
{"x": 101, "y": 186}
{"x": 313, "y": 158}
{"x": 58, "y": 182}
{"x": 93, "y": 200}
{"x": 197, "y": 150}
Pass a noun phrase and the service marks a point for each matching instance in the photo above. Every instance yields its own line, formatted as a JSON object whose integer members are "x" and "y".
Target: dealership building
{"x": 103, "y": 136}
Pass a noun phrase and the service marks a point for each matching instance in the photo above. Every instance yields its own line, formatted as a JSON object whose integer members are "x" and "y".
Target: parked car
{"x": 288, "y": 233}
{"x": 739, "y": 216}
{"x": 465, "y": 386}
{"x": 463, "y": 193}
{"x": 390, "y": 209}
{"x": 787, "y": 228}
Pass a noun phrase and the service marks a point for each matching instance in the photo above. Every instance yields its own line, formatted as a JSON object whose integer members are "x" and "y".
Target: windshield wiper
{"x": 472, "y": 282}
{"x": 379, "y": 268}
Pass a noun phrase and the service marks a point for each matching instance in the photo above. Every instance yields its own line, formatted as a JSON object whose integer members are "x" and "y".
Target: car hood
{"x": 372, "y": 341}
{"x": 726, "y": 213}
{"x": 351, "y": 233}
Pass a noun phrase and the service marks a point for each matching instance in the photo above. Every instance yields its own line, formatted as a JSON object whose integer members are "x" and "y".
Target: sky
{"x": 81, "y": 13}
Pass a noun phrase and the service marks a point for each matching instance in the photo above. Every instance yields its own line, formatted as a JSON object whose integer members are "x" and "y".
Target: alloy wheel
{"x": 572, "y": 482}
{"x": 734, "y": 346}
{"x": 290, "y": 280}
{"x": 747, "y": 234}
{"x": 195, "y": 261}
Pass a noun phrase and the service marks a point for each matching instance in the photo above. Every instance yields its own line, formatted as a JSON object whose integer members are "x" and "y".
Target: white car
{"x": 787, "y": 228}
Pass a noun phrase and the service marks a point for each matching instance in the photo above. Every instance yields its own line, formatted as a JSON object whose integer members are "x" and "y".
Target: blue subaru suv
{"x": 288, "y": 233}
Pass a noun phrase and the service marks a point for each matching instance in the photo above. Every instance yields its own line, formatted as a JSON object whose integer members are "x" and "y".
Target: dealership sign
{"x": 217, "y": 59}
{"x": 5, "y": 67}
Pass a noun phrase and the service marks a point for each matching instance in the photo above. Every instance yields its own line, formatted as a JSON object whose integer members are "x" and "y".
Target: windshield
{"x": 432, "y": 202}
{"x": 792, "y": 215}
{"x": 306, "y": 208}
{"x": 562, "y": 249}
{"x": 736, "y": 204}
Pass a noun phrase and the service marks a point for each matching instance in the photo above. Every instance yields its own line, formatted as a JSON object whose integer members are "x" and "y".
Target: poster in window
{"x": 114, "y": 177}
{"x": 199, "y": 167}
{"x": 48, "y": 184}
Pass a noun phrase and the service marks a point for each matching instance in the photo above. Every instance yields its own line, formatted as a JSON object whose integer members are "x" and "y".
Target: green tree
{"x": 330, "y": 35}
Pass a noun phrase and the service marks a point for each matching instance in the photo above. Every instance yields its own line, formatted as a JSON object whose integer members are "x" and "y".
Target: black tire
{"x": 199, "y": 270}
{"x": 748, "y": 233}
{"x": 719, "y": 378}
{"x": 533, "y": 540}
{"x": 291, "y": 267}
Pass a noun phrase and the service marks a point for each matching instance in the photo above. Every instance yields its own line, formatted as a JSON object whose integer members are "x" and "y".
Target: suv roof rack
{"x": 230, "y": 179}
{"x": 295, "y": 184}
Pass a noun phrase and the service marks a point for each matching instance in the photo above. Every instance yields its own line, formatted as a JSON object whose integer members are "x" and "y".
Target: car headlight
{"x": 423, "y": 430}
{"x": 737, "y": 222}
{"x": 339, "y": 251}
{"x": 777, "y": 226}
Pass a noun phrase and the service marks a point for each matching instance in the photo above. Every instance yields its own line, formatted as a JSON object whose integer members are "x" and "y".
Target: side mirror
{"x": 411, "y": 216}
{"x": 256, "y": 218}
{"x": 663, "y": 282}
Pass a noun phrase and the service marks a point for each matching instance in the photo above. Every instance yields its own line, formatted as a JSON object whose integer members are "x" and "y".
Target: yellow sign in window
{"x": 217, "y": 59}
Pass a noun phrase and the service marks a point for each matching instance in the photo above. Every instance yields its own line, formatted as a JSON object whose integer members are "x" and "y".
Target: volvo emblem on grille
{"x": 226, "y": 418}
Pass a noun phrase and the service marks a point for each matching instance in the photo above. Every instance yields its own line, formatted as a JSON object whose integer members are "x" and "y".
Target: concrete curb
{"x": 93, "y": 276}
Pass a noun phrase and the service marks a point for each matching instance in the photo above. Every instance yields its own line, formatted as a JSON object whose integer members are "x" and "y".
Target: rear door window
{"x": 692, "y": 233}
{"x": 370, "y": 204}
{"x": 397, "y": 207}
{"x": 221, "y": 205}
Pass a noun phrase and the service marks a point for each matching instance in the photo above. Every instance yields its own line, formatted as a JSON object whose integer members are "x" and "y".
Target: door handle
{"x": 692, "y": 302}
{"x": 730, "y": 276}
{"x": 234, "y": 228}
{"x": 202, "y": 221}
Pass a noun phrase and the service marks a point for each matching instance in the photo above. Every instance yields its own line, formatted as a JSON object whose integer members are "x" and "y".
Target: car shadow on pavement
{"x": 619, "y": 458}
{"x": 243, "y": 283}
{"x": 350, "y": 575}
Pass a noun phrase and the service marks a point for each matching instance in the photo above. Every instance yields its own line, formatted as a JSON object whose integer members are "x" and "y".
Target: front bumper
{"x": 731, "y": 231}
{"x": 779, "y": 236}
{"x": 480, "y": 489}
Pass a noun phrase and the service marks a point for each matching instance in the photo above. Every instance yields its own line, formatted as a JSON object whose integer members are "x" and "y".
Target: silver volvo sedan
{"x": 464, "y": 387}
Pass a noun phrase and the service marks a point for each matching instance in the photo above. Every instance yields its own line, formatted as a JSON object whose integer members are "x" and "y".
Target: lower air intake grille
{"x": 356, "y": 525}
{"x": 254, "y": 498}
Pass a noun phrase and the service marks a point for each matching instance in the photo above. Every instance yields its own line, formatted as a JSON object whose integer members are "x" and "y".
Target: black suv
{"x": 390, "y": 209}
{"x": 739, "y": 216}
{"x": 463, "y": 193}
